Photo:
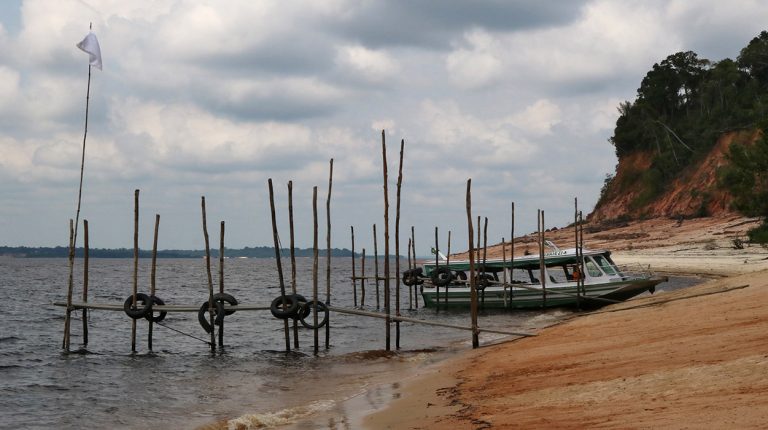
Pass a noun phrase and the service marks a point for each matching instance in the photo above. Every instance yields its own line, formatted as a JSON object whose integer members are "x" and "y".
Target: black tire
{"x": 320, "y": 308}
{"x": 441, "y": 276}
{"x": 161, "y": 316}
{"x": 202, "y": 315}
{"x": 138, "y": 312}
{"x": 483, "y": 280}
{"x": 461, "y": 275}
{"x": 304, "y": 309}
{"x": 409, "y": 279}
{"x": 276, "y": 307}
{"x": 224, "y": 297}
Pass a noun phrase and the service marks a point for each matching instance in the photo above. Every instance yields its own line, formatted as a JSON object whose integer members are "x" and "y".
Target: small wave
{"x": 10, "y": 339}
{"x": 279, "y": 418}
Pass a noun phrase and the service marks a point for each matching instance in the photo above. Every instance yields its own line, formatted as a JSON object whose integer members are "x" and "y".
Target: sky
{"x": 209, "y": 98}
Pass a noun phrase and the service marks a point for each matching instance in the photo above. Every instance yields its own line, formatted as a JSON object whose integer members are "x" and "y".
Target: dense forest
{"x": 256, "y": 252}
{"x": 683, "y": 105}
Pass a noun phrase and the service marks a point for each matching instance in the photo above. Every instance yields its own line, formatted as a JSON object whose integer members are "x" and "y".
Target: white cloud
{"x": 367, "y": 64}
{"x": 538, "y": 118}
{"x": 479, "y": 63}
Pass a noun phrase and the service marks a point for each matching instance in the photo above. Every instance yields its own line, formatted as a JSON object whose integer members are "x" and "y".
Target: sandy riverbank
{"x": 694, "y": 358}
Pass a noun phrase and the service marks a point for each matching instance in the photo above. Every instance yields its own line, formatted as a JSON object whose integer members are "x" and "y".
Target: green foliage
{"x": 746, "y": 177}
{"x": 759, "y": 234}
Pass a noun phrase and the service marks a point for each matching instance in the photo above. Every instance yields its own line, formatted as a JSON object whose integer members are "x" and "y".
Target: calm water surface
{"x": 181, "y": 384}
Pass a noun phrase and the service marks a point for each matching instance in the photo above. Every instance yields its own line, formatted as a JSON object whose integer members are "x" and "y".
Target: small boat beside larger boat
{"x": 515, "y": 284}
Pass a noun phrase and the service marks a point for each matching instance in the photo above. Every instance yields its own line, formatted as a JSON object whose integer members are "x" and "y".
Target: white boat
{"x": 515, "y": 284}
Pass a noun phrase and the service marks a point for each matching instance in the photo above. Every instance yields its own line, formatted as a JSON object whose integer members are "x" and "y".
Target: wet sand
{"x": 693, "y": 358}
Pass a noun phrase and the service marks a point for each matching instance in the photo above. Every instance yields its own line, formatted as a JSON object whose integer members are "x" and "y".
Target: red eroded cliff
{"x": 694, "y": 192}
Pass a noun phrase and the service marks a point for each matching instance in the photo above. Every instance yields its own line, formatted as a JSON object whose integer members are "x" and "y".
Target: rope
{"x": 185, "y": 334}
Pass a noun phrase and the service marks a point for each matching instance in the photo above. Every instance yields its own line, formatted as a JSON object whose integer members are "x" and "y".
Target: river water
{"x": 181, "y": 384}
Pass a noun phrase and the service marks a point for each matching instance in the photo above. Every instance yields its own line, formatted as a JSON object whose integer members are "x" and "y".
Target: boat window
{"x": 605, "y": 265}
{"x": 592, "y": 268}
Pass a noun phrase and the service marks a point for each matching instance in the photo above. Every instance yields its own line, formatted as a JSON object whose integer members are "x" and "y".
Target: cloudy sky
{"x": 214, "y": 97}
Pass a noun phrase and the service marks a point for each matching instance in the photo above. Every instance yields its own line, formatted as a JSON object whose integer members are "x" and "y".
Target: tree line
{"x": 683, "y": 105}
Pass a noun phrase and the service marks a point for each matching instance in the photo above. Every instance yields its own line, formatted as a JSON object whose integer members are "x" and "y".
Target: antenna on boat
{"x": 551, "y": 245}
{"x": 439, "y": 254}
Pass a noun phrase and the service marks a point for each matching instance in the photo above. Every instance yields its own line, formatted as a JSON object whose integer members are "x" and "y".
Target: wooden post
{"x": 85, "y": 281}
{"x": 542, "y": 269}
{"x": 293, "y": 260}
{"x": 576, "y": 249}
{"x": 415, "y": 287}
{"x": 448, "y": 263}
{"x": 70, "y": 286}
{"x": 152, "y": 277}
{"x": 135, "y": 264}
{"x": 354, "y": 274}
{"x": 328, "y": 256}
{"x": 376, "y": 266}
{"x": 504, "y": 271}
{"x": 221, "y": 279}
{"x": 437, "y": 264}
{"x": 581, "y": 253}
{"x": 512, "y": 256}
{"x": 485, "y": 255}
{"x": 314, "y": 269}
{"x": 472, "y": 280}
{"x": 410, "y": 266}
{"x": 210, "y": 278}
{"x": 397, "y": 246}
{"x": 276, "y": 240}
{"x": 386, "y": 239}
{"x": 362, "y": 279}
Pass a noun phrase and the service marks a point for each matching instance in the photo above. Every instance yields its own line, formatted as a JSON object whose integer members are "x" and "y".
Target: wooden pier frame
{"x": 397, "y": 245}
{"x": 293, "y": 259}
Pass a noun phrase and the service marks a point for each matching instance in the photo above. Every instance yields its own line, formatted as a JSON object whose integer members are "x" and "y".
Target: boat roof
{"x": 554, "y": 257}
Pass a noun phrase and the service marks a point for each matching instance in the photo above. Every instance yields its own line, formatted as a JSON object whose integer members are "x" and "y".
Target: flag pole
{"x": 73, "y": 233}
{"x": 82, "y": 158}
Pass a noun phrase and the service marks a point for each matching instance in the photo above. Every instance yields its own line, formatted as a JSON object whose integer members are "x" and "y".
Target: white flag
{"x": 90, "y": 45}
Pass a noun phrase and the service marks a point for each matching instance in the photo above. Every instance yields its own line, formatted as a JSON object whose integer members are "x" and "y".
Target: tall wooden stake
{"x": 68, "y": 315}
{"x": 354, "y": 273}
{"x": 542, "y": 269}
{"x": 415, "y": 288}
{"x": 437, "y": 264}
{"x": 221, "y": 279}
{"x": 135, "y": 264}
{"x": 386, "y": 240}
{"x": 512, "y": 256}
{"x": 410, "y": 266}
{"x": 576, "y": 248}
{"x": 472, "y": 280}
{"x": 376, "y": 266}
{"x": 293, "y": 260}
{"x": 362, "y": 279}
{"x": 85, "y": 281}
{"x": 314, "y": 269}
{"x": 485, "y": 255}
{"x": 152, "y": 277}
{"x": 276, "y": 239}
{"x": 328, "y": 256}
{"x": 448, "y": 263}
{"x": 397, "y": 245}
{"x": 210, "y": 278}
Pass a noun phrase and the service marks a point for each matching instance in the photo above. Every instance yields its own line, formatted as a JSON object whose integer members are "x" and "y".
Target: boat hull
{"x": 533, "y": 297}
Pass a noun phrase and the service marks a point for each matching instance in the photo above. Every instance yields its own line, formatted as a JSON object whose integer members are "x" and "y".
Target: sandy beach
{"x": 693, "y": 358}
